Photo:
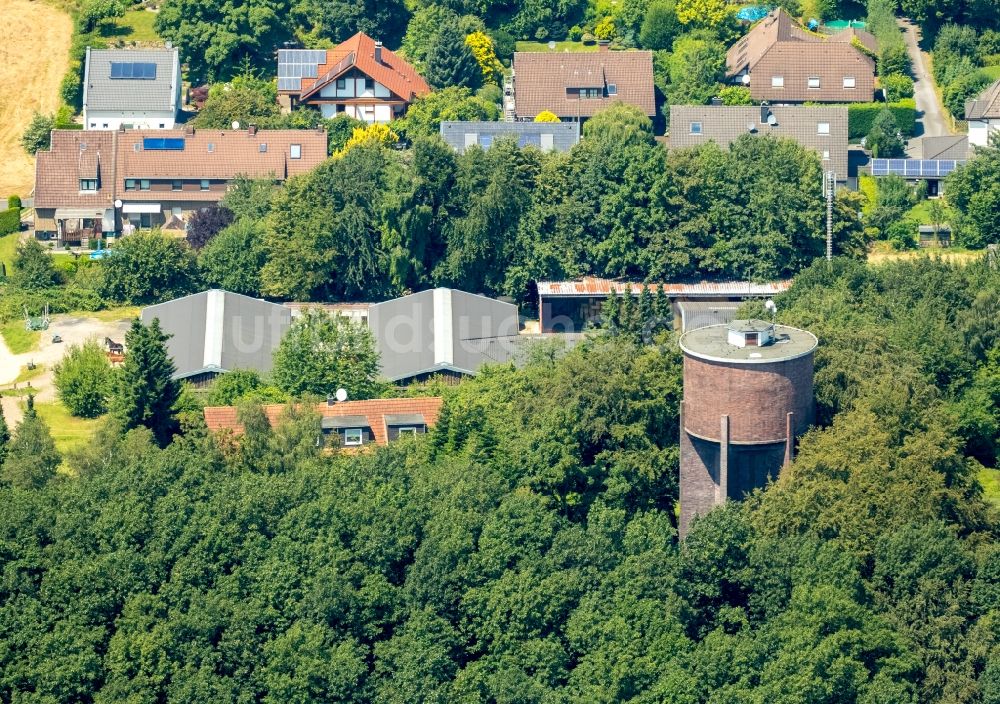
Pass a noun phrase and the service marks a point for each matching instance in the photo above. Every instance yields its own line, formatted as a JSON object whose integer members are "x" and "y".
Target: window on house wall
{"x": 88, "y": 184}
{"x": 204, "y": 184}
{"x": 409, "y": 430}
{"x": 695, "y": 128}
{"x": 353, "y": 437}
{"x": 131, "y": 184}
{"x": 850, "y": 82}
{"x": 104, "y": 125}
{"x": 144, "y": 184}
{"x": 162, "y": 125}
{"x": 295, "y": 151}
{"x": 822, "y": 128}
{"x": 341, "y": 84}
{"x": 177, "y": 185}
{"x": 93, "y": 125}
{"x": 813, "y": 81}
{"x": 777, "y": 81}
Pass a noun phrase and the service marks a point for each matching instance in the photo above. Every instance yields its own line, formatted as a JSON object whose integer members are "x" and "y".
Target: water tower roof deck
{"x": 712, "y": 343}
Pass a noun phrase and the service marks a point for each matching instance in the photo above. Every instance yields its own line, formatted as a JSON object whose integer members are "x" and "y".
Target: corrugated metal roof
{"x": 700, "y": 314}
{"x": 592, "y": 286}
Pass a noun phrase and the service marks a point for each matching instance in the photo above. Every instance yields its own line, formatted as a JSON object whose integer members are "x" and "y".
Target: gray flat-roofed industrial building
{"x": 216, "y": 331}
{"x": 441, "y": 331}
{"x": 547, "y": 136}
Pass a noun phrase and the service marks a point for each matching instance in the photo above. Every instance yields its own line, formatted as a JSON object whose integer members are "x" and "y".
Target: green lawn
{"x": 18, "y": 339}
{"x": 990, "y": 479}
{"x": 68, "y": 431}
{"x": 560, "y": 46}
{"x": 8, "y": 244}
{"x": 135, "y": 26}
{"x": 991, "y": 71}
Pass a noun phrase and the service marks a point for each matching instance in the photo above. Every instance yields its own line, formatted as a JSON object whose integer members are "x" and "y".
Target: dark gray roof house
{"x": 547, "y": 136}
{"x": 983, "y": 115}
{"x": 131, "y": 88}
{"x": 217, "y": 331}
{"x": 952, "y": 146}
{"x": 823, "y": 129}
{"x": 442, "y": 331}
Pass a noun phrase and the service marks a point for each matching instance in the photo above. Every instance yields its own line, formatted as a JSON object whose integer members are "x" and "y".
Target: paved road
{"x": 931, "y": 121}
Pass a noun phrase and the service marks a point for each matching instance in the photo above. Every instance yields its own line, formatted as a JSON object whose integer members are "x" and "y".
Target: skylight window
{"x": 133, "y": 70}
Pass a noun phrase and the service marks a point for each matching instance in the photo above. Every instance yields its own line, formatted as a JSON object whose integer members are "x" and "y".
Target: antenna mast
{"x": 829, "y": 188}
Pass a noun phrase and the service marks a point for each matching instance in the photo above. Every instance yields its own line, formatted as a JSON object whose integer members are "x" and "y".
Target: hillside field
{"x": 34, "y": 55}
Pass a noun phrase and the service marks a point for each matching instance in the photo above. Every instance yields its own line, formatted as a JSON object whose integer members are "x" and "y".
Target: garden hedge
{"x": 10, "y": 221}
{"x": 860, "y": 117}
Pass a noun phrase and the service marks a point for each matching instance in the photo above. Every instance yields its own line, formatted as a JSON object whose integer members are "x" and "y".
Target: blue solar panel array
{"x": 133, "y": 70}
{"x": 163, "y": 144}
{"x": 915, "y": 168}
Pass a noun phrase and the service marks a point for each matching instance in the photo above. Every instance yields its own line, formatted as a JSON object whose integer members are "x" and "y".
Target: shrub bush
{"x": 956, "y": 93}
{"x": 10, "y": 221}
{"x": 897, "y": 87}
{"x": 14, "y": 202}
{"x": 861, "y": 117}
{"x": 83, "y": 378}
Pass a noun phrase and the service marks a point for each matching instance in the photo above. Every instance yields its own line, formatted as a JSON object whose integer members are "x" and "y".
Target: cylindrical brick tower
{"x": 748, "y": 393}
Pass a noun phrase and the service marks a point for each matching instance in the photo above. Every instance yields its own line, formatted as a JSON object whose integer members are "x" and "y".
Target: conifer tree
{"x": 610, "y": 313}
{"x": 145, "y": 391}
{"x": 629, "y": 313}
{"x": 450, "y": 61}
{"x": 4, "y": 437}
{"x": 31, "y": 456}
{"x": 645, "y": 309}
{"x": 661, "y": 308}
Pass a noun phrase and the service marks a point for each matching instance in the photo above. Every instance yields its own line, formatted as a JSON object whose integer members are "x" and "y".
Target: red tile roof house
{"x": 782, "y": 62}
{"x": 95, "y": 182}
{"x": 576, "y": 85}
{"x": 350, "y": 425}
{"x": 359, "y": 78}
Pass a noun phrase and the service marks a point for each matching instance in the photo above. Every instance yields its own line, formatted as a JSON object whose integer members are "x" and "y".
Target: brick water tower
{"x": 748, "y": 393}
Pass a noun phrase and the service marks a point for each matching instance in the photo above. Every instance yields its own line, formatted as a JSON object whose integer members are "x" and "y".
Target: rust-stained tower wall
{"x": 744, "y": 405}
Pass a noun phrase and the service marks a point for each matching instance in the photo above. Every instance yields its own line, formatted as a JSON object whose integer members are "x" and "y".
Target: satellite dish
{"x": 746, "y": 79}
{"x": 236, "y": 125}
{"x": 772, "y": 120}
{"x": 552, "y": 45}
{"x": 118, "y": 203}
{"x": 751, "y": 127}
{"x": 769, "y": 306}
{"x": 341, "y": 395}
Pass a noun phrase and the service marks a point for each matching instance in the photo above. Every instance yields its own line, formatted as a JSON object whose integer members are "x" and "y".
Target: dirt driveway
{"x": 74, "y": 330}
{"x": 34, "y": 56}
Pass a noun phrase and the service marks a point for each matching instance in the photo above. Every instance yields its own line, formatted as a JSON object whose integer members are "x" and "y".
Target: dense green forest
{"x": 525, "y": 550}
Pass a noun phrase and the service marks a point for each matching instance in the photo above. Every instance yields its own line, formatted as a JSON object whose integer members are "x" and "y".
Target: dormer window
{"x": 353, "y": 437}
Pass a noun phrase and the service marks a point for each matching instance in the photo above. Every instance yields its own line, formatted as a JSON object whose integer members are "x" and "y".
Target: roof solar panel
{"x": 161, "y": 144}
{"x": 915, "y": 168}
{"x": 134, "y": 70}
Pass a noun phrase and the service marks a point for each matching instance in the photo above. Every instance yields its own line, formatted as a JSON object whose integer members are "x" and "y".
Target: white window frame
{"x": 813, "y": 79}
{"x": 777, "y": 81}
{"x": 354, "y": 437}
{"x": 823, "y": 128}
{"x": 612, "y": 89}
{"x": 850, "y": 82}
{"x": 696, "y": 128}
{"x": 295, "y": 151}
{"x": 826, "y": 155}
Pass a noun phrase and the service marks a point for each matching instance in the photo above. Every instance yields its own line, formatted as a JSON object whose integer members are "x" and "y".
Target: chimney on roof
{"x": 603, "y": 44}
{"x": 764, "y": 112}
{"x": 378, "y": 52}
{"x": 189, "y": 130}
{"x": 716, "y": 100}
{"x": 251, "y": 129}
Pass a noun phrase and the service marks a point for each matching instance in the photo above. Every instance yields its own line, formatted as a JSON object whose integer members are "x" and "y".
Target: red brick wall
{"x": 756, "y": 397}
